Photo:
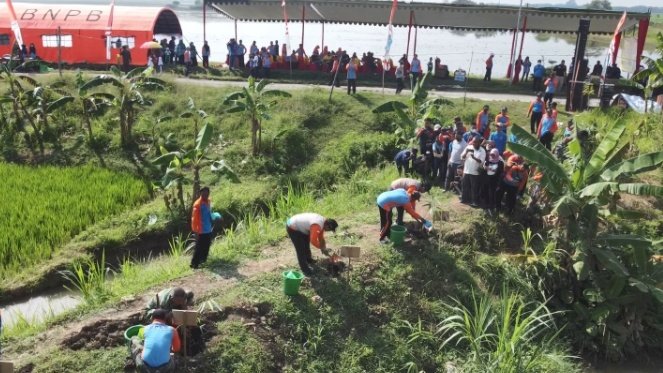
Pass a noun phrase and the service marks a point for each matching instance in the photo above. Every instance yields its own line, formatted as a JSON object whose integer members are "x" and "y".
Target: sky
{"x": 652, "y": 3}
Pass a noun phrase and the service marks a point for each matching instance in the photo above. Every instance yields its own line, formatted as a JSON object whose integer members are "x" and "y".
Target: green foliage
{"x": 603, "y": 261}
{"x": 256, "y": 104}
{"x": 89, "y": 279}
{"x": 512, "y": 336}
{"x": 45, "y": 207}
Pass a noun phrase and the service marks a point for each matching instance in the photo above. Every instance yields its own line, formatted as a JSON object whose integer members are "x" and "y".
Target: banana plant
{"x": 409, "y": 114}
{"x": 255, "y": 103}
{"x": 91, "y": 104}
{"x": 18, "y": 96}
{"x": 614, "y": 274}
{"x": 128, "y": 95}
{"x": 182, "y": 167}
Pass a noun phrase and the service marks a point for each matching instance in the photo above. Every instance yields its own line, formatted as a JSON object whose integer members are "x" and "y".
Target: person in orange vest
{"x": 410, "y": 186}
{"x": 489, "y": 68}
{"x": 535, "y": 112}
{"x": 396, "y": 198}
{"x": 482, "y": 122}
{"x": 202, "y": 225}
{"x": 334, "y": 76}
{"x": 305, "y": 230}
{"x": 514, "y": 181}
{"x": 503, "y": 117}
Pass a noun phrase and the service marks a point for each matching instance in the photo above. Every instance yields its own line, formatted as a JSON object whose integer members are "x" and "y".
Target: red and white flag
{"x": 612, "y": 51}
{"x": 109, "y": 30}
{"x": 287, "y": 30}
{"x": 390, "y": 30}
{"x": 14, "y": 23}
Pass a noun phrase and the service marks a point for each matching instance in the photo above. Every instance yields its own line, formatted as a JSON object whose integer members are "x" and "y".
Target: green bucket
{"x": 132, "y": 331}
{"x": 397, "y": 235}
{"x": 291, "y": 282}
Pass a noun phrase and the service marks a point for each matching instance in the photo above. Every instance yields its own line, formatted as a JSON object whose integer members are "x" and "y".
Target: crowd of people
{"x": 474, "y": 161}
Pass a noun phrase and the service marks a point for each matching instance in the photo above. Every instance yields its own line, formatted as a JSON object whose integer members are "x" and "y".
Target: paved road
{"x": 289, "y": 86}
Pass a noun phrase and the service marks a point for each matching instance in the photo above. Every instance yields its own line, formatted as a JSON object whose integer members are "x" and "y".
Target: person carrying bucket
{"x": 396, "y": 198}
{"x": 306, "y": 229}
{"x": 411, "y": 186}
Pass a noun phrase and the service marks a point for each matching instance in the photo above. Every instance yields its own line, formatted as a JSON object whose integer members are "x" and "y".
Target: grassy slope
{"x": 308, "y": 128}
{"x": 362, "y": 323}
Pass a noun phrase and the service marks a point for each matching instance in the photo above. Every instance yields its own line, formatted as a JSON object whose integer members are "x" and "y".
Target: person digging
{"x": 170, "y": 299}
{"x": 305, "y": 230}
{"x": 409, "y": 185}
{"x": 396, "y": 198}
{"x": 153, "y": 354}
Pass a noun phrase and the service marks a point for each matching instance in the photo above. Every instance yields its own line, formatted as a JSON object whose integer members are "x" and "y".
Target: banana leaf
{"x": 623, "y": 240}
{"x": 389, "y": 106}
{"x": 643, "y": 163}
{"x": 555, "y": 176}
{"x": 605, "y": 148}
{"x": 640, "y": 189}
{"x": 610, "y": 261}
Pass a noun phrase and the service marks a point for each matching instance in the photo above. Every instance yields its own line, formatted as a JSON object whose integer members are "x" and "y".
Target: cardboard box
{"x": 186, "y": 318}
{"x": 6, "y": 367}
{"x": 350, "y": 251}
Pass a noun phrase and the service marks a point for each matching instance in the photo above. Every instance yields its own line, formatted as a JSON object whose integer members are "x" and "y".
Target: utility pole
{"x": 60, "y": 50}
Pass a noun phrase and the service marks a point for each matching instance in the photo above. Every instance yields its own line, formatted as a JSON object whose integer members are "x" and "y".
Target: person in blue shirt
{"x": 352, "y": 77}
{"x": 499, "y": 138}
{"x": 403, "y": 158}
{"x": 160, "y": 339}
{"x": 537, "y": 76}
{"x": 547, "y": 129}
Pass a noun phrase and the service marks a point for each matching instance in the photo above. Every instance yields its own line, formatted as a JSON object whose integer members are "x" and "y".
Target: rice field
{"x": 42, "y": 208}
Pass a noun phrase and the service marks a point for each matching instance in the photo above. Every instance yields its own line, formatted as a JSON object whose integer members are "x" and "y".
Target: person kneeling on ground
{"x": 170, "y": 299}
{"x": 411, "y": 186}
{"x": 153, "y": 355}
{"x": 396, "y": 198}
{"x": 306, "y": 229}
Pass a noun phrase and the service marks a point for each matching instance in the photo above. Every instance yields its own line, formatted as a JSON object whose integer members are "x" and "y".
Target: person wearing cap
{"x": 153, "y": 354}
{"x": 410, "y": 186}
{"x": 170, "y": 299}
{"x": 499, "y": 138}
{"x": 547, "y": 129}
{"x": 535, "y": 112}
{"x": 403, "y": 158}
{"x": 474, "y": 157}
{"x": 482, "y": 122}
{"x": 396, "y": 198}
{"x": 494, "y": 167}
{"x": 513, "y": 181}
{"x": 537, "y": 76}
{"x": 305, "y": 230}
{"x": 503, "y": 117}
{"x": 456, "y": 149}
{"x": 489, "y": 67}
{"x": 202, "y": 226}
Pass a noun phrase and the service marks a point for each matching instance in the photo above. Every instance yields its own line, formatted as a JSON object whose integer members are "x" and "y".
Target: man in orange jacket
{"x": 305, "y": 230}
{"x": 201, "y": 225}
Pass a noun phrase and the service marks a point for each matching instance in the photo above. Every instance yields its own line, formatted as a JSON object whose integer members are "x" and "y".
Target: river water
{"x": 39, "y": 308}
{"x": 465, "y": 50}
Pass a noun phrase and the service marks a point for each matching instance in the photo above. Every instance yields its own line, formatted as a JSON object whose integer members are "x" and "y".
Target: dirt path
{"x": 390, "y": 92}
{"x": 203, "y": 283}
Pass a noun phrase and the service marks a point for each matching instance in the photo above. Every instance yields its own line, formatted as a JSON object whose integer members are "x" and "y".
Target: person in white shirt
{"x": 305, "y": 230}
{"x": 474, "y": 156}
{"x": 456, "y": 149}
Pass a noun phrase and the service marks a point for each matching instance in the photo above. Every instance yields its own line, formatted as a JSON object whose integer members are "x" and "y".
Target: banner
{"x": 390, "y": 30}
{"x": 614, "y": 44}
{"x": 109, "y": 31}
{"x": 14, "y": 24}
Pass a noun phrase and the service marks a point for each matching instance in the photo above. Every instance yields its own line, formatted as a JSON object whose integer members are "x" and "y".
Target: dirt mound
{"x": 102, "y": 333}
